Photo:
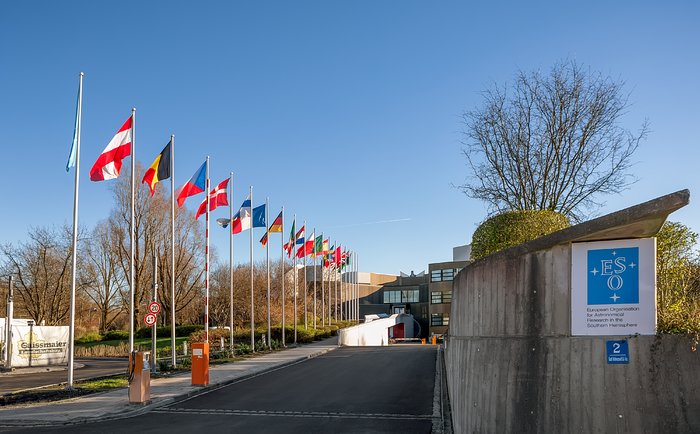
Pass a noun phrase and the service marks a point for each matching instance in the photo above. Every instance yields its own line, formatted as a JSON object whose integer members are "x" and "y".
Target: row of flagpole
{"x": 108, "y": 166}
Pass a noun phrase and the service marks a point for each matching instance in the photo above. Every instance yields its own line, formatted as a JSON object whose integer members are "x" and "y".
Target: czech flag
{"x": 109, "y": 163}
{"x": 195, "y": 185}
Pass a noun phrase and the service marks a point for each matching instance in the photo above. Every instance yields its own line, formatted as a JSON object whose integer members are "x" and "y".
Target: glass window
{"x": 447, "y": 297}
{"x": 402, "y": 296}
{"x": 436, "y": 297}
{"x": 448, "y": 274}
{"x": 436, "y": 276}
{"x": 387, "y": 296}
{"x": 439, "y": 319}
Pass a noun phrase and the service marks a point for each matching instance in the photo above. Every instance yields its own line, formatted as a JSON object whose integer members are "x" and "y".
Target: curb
{"x": 137, "y": 411}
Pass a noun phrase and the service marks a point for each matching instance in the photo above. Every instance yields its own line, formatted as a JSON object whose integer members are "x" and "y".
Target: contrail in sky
{"x": 373, "y": 223}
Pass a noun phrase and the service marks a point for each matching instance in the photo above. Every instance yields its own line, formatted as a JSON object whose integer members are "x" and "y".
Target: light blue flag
{"x": 74, "y": 146}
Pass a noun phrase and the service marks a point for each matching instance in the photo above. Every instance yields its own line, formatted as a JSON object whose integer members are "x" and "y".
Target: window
{"x": 401, "y": 296}
{"x": 445, "y": 275}
{"x": 439, "y": 319}
{"x": 438, "y": 297}
{"x": 448, "y": 274}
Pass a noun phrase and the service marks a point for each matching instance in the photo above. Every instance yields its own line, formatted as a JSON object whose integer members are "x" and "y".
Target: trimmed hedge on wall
{"x": 512, "y": 228}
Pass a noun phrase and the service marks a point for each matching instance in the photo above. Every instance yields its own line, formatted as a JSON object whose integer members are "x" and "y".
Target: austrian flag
{"x": 217, "y": 197}
{"x": 109, "y": 163}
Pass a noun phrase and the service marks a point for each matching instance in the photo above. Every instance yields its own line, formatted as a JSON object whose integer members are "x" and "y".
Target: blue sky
{"x": 346, "y": 113}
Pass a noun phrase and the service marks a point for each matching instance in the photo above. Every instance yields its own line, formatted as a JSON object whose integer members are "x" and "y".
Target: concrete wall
{"x": 512, "y": 365}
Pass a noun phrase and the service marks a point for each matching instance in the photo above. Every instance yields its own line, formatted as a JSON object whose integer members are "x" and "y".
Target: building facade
{"x": 428, "y": 297}
{"x": 441, "y": 275}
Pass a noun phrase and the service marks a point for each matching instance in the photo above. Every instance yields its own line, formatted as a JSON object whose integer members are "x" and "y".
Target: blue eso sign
{"x": 618, "y": 352}
{"x": 613, "y": 276}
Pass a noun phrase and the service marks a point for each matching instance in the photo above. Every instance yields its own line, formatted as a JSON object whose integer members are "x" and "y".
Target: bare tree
{"x": 221, "y": 294}
{"x": 152, "y": 227}
{"x": 43, "y": 269}
{"x": 106, "y": 280}
{"x": 550, "y": 142}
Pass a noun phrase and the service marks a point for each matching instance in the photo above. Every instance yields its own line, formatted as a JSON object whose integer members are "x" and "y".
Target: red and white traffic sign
{"x": 154, "y": 307}
{"x": 150, "y": 319}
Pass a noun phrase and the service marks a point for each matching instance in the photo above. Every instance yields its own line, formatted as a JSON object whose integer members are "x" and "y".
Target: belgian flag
{"x": 159, "y": 170}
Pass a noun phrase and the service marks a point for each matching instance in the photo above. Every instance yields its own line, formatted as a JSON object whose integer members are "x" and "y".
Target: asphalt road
{"x": 350, "y": 390}
{"x": 98, "y": 367}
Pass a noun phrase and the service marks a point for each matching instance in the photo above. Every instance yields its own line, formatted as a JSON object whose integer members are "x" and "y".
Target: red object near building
{"x": 397, "y": 331}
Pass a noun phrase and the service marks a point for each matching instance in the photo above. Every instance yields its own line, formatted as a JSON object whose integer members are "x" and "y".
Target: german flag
{"x": 159, "y": 170}
{"x": 276, "y": 227}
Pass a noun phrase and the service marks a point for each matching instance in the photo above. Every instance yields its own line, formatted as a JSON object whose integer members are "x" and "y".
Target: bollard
{"x": 139, "y": 378}
{"x": 184, "y": 348}
{"x": 222, "y": 343}
{"x": 422, "y": 341}
{"x": 434, "y": 340}
{"x": 200, "y": 363}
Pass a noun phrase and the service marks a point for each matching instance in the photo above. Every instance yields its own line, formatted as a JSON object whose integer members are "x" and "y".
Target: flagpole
{"x": 206, "y": 266}
{"x": 294, "y": 243}
{"x": 230, "y": 262}
{"x": 267, "y": 254}
{"x": 306, "y": 309}
{"x": 172, "y": 252}
{"x": 314, "y": 253}
{"x": 252, "y": 298}
{"x": 354, "y": 288}
{"x": 154, "y": 329}
{"x": 342, "y": 299}
{"x": 323, "y": 288}
{"x": 357, "y": 277}
{"x": 357, "y": 287}
{"x": 71, "y": 328}
{"x": 328, "y": 274}
{"x": 132, "y": 229}
{"x": 284, "y": 341}
{"x": 337, "y": 300}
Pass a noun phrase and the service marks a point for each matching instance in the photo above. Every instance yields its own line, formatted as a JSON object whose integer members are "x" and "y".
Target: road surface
{"x": 97, "y": 367}
{"x": 365, "y": 390}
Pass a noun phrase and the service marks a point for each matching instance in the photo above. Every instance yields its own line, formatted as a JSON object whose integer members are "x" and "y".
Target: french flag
{"x": 109, "y": 163}
{"x": 242, "y": 220}
{"x": 217, "y": 197}
{"x": 195, "y": 185}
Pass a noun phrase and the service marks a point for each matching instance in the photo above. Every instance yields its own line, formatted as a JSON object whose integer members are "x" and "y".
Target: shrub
{"x": 214, "y": 335}
{"x": 116, "y": 335}
{"x": 88, "y": 338}
{"x": 512, "y": 228}
{"x": 242, "y": 349}
{"x": 677, "y": 280}
{"x": 185, "y": 330}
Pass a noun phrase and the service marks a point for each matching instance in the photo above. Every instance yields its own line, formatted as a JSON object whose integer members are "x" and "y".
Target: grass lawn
{"x": 142, "y": 342}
